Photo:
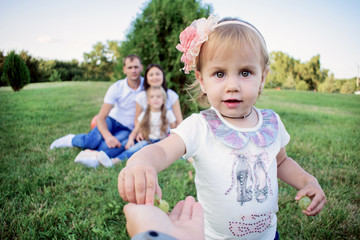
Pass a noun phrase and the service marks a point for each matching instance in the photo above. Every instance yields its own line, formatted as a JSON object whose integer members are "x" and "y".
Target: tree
{"x": 68, "y": 71}
{"x": 281, "y": 70}
{"x": 302, "y": 86}
{"x": 15, "y": 72}
{"x": 348, "y": 87}
{"x": 288, "y": 72}
{"x": 2, "y": 62}
{"x": 328, "y": 84}
{"x": 311, "y": 72}
{"x": 55, "y": 76}
{"x": 99, "y": 63}
{"x": 33, "y": 66}
{"x": 46, "y": 69}
{"x": 154, "y": 35}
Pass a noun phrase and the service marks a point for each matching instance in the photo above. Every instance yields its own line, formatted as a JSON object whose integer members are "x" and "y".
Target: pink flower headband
{"x": 193, "y": 37}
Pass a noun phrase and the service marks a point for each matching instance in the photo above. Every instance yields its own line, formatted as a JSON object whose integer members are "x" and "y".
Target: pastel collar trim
{"x": 262, "y": 135}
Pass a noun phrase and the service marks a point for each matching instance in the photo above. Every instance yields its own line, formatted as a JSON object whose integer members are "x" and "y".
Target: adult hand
{"x": 186, "y": 220}
{"x": 112, "y": 142}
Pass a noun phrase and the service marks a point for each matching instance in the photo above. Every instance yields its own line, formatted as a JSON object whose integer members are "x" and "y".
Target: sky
{"x": 66, "y": 29}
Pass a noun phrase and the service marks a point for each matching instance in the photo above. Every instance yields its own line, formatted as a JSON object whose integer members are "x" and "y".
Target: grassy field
{"x": 45, "y": 195}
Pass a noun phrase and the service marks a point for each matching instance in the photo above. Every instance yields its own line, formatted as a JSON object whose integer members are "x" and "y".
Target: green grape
{"x": 162, "y": 204}
{"x": 304, "y": 202}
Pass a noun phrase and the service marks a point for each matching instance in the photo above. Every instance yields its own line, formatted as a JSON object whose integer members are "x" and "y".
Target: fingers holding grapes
{"x": 317, "y": 203}
{"x": 317, "y": 196}
{"x": 138, "y": 184}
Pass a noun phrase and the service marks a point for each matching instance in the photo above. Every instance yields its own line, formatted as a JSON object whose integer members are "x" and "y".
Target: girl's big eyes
{"x": 245, "y": 73}
{"x": 219, "y": 74}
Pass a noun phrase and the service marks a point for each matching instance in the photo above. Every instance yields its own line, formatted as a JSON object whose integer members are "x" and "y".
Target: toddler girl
{"x": 238, "y": 150}
{"x": 155, "y": 76}
{"x": 153, "y": 123}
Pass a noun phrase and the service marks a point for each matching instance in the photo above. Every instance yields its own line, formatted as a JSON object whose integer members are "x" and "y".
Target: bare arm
{"x": 138, "y": 110}
{"x": 137, "y": 182}
{"x": 291, "y": 173}
{"x": 132, "y": 136}
{"x": 110, "y": 140}
{"x": 173, "y": 125}
{"x": 177, "y": 112}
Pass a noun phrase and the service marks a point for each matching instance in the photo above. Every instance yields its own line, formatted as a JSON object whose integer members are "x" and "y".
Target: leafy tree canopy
{"x": 154, "y": 35}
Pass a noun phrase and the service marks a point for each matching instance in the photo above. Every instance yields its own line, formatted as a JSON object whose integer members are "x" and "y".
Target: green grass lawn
{"x": 44, "y": 194}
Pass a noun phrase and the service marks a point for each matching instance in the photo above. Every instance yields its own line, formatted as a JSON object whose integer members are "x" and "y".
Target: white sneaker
{"x": 63, "y": 142}
{"x": 87, "y": 158}
{"x": 104, "y": 159}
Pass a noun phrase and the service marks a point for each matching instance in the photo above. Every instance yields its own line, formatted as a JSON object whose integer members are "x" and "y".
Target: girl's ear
{"x": 199, "y": 77}
{"x": 263, "y": 78}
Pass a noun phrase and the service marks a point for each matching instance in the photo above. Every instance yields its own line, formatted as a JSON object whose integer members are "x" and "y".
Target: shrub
{"x": 55, "y": 76}
{"x": 302, "y": 86}
{"x": 328, "y": 85}
{"x": 15, "y": 72}
{"x": 348, "y": 87}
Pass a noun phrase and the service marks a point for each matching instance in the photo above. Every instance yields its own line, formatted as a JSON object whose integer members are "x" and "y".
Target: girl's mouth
{"x": 232, "y": 103}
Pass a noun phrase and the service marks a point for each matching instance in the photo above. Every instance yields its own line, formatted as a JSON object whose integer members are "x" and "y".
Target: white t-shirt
{"x": 236, "y": 172}
{"x": 155, "y": 123}
{"x": 122, "y": 96}
{"x": 171, "y": 99}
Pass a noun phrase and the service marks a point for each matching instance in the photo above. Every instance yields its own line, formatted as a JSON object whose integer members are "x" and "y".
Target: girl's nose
{"x": 232, "y": 84}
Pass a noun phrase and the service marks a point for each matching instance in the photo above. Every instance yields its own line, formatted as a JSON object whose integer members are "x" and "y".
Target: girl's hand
{"x": 112, "y": 142}
{"x": 317, "y": 195}
{"x": 129, "y": 144}
{"x": 138, "y": 184}
{"x": 139, "y": 137}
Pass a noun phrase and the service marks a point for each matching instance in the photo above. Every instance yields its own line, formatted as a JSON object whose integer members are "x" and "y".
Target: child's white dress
{"x": 236, "y": 172}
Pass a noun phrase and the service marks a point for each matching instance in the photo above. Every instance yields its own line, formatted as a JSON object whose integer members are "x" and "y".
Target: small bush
{"x": 55, "y": 76}
{"x": 302, "y": 86}
{"x": 15, "y": 72}
{"x": 348, "y": 87}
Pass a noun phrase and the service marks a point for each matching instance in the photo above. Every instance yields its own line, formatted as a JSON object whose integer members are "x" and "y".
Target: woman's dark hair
{"x": 146, "y": 84}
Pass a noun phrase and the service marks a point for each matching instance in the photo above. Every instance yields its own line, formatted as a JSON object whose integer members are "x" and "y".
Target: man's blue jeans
{"x": 136, "y": 147}
{"x": 95, "y": 141}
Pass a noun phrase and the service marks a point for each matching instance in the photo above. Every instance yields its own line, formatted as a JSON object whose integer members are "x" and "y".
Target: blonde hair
{"x": 229, "y": 35}
{"x": 145, "y": 122}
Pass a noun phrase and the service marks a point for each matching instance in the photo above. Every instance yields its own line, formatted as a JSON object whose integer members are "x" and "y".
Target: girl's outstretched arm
{"x": 137, "y": 182}
{"x": 291, "y": 173}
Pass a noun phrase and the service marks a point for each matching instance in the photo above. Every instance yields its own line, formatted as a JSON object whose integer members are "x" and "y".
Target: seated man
{"x": 116, "y": 117}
